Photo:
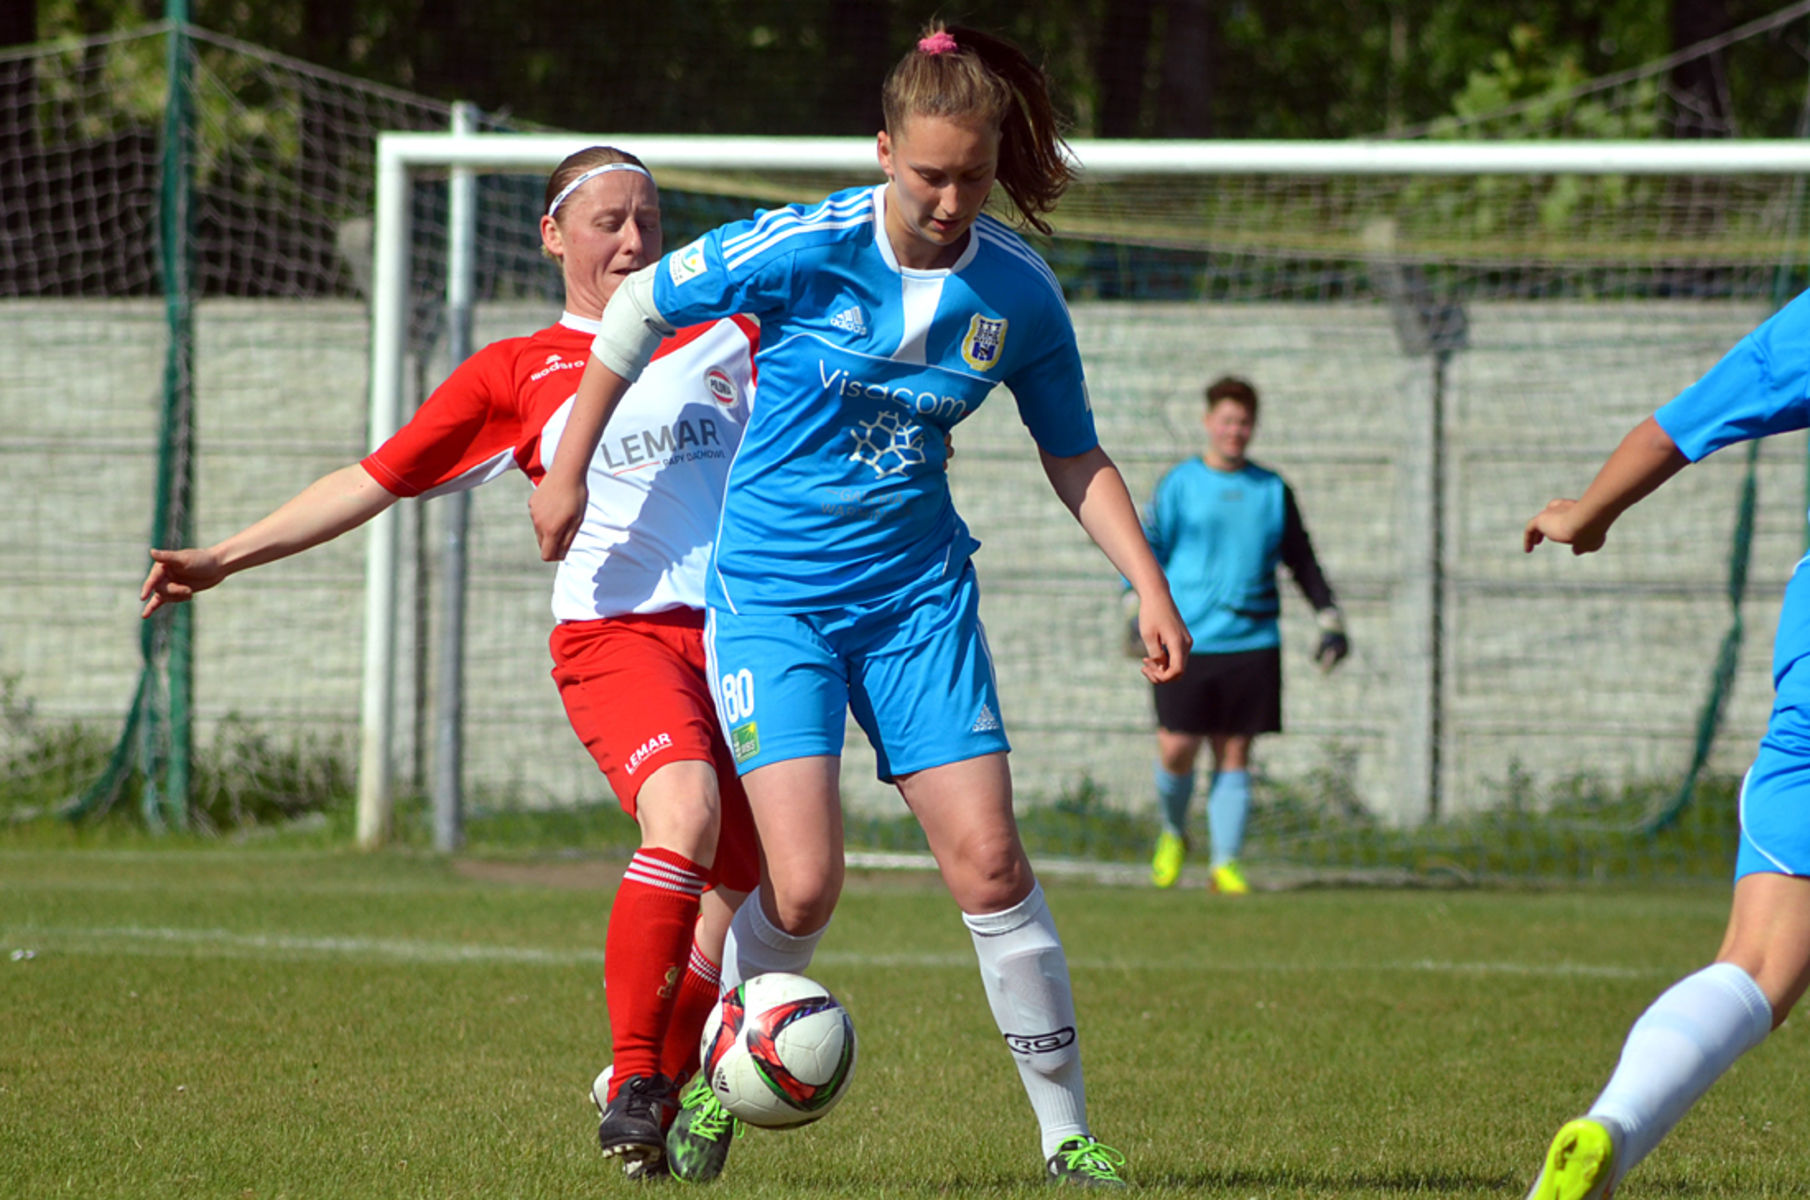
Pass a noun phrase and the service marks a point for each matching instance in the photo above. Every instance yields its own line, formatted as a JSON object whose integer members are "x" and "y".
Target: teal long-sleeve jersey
{"x": 1220, "y": 536}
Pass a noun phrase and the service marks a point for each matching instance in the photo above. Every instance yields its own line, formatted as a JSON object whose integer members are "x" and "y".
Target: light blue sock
{"x": 1227, "y": 806}
{"x": 1173, "y": 792}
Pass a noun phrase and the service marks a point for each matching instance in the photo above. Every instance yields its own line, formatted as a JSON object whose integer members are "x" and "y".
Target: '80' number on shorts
{"x": 738, "y": 696}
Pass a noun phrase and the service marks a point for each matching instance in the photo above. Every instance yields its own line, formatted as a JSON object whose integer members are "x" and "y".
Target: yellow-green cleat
{"x": 1166, "y": 863}
{"x": 1083, "y": 1162}
{"x": 1579, "y": 1166}
{"x": 697, "y": 1145}
{"x": 1228, "y": 880}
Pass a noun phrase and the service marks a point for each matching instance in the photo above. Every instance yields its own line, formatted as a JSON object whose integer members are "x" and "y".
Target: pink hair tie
{"x": 940, "y": 42}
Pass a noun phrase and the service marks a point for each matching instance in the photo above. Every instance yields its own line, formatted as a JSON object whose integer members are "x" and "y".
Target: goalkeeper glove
{"x": 1334, "y": 645}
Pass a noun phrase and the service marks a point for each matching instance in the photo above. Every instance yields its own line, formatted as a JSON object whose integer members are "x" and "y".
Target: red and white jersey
{"x": 656, "y": 481}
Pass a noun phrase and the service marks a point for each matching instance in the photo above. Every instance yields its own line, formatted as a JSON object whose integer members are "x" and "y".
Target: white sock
{"x": 756, "y": 945}
{"x": 1026, "y": 976}
{"x": 1678, "y": 1047}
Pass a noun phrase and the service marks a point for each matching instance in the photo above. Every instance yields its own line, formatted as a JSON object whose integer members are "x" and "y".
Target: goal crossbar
{"x": 400, "y": 156}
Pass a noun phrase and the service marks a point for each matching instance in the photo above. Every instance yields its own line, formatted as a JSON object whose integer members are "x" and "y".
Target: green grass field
{"x": 234, "y": 1021}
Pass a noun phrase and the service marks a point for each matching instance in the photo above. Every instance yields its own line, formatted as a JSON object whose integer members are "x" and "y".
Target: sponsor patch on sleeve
{"x": 688, "y": 263}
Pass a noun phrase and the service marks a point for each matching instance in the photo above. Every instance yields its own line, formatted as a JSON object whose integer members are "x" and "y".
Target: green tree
{"x": 1123, "y": 68}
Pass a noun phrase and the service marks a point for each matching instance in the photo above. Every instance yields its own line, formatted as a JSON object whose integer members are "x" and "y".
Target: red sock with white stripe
{"x": 645, "y": 954}
{"x": 698, "y": 994}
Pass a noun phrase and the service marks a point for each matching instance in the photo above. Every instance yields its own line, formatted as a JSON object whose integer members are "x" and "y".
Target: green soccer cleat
{"x": 1228, "y": 880}
{"x": 1579, "y": 1166}
{"x": 697, "y": 1145}
{"x": 1084, "y": 1162}
{"x": 1166, "y": 863}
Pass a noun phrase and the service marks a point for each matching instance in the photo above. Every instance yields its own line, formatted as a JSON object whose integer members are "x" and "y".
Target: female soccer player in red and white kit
{"x": 628, "y": 652}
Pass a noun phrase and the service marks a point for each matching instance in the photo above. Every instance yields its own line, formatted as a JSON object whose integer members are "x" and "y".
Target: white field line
{"x": 48, "y": 941}
{"x": 338, "y": 886}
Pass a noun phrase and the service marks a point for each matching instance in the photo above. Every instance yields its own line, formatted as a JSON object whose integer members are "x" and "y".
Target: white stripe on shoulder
{"x": 792, "y": 214}
{"x": 993, "y": 232}
{"x": 779, "y": 218}
{"x": 755, "y": 251}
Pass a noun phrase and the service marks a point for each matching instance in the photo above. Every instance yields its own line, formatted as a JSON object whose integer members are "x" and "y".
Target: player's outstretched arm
{"x": 326, "y": 508}
{"x": 1646, "y": 458}
{"x": 1094, "y": 491}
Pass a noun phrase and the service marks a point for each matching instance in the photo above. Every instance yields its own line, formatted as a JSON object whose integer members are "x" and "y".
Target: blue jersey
{"x": 1760, "y": 387}
{"x": 1220, "y": 535}
{"x": 839, "y": 492}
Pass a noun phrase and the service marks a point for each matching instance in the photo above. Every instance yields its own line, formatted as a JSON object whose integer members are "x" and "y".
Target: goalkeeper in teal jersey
{"x": 1220, "y": 525}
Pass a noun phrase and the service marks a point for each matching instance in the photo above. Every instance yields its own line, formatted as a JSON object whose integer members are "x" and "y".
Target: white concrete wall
{"x": 1552, "y": 666}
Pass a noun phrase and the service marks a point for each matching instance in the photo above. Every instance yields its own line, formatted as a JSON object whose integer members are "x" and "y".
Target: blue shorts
{"x": 1775, "y": 796}
{"x": 915, "y": 670}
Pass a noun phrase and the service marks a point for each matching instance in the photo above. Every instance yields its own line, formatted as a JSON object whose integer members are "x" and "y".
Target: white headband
{"x": 591, "y": 174}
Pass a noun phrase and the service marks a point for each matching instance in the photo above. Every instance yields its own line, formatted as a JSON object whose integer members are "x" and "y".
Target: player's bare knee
{"x": 679, "y": 806}
{"x": 989, "y": 875}
{"x": 803, "y": 903}
{"x": 683, "y": 823}
{"x": 696, "y": 813}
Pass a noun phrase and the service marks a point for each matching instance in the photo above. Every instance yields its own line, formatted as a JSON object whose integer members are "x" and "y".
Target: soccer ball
{"x": 778, "y": 1050}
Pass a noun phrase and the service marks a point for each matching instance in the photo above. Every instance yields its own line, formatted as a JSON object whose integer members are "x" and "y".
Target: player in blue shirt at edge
{"x": 1220, "y": 525}
{"x": 1695, "y": 1030}
{"x": 842, "y": 574}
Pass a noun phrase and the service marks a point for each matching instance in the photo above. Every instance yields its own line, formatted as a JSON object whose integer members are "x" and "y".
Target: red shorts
{"x": 637, "y": 692}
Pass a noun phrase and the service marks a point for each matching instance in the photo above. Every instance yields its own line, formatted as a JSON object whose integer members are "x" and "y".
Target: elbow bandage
{"x": 632, "y": 327}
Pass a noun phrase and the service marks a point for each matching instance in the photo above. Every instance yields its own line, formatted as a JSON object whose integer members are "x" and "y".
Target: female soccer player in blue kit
{"x": 842, "y": 574}
{"x": 1696, "y": 1029}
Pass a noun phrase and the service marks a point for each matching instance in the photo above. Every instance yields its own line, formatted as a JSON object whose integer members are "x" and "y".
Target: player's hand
{"x": 1558, "y": 522}
{"x": 557, "y": 510}
{"x": 176, "y": 575}
{"x": 1334, "y": 644}
{"x": 1165, "y": 637}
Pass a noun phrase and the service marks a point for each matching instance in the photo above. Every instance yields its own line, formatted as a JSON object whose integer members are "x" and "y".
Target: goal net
{"x": 1445, "y": 332}
{"x": 1444, "y": 335}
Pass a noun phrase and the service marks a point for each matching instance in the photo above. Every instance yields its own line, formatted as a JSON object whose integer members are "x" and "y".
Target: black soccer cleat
{"x": 633, "y": 1128}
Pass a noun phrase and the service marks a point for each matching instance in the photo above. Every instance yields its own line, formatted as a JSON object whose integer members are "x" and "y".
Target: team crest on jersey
{"x": 688, "y": 263}
{"x": 986, "y": 339}
{"x": 721, "y": 386}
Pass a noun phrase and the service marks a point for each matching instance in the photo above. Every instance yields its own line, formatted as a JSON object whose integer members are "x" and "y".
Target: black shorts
{"x": 1238, "y": 694}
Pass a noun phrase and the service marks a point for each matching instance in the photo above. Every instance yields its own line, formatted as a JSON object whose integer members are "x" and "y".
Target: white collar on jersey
{"x": 572, "y": 320}
{"x": 885, "y": 243}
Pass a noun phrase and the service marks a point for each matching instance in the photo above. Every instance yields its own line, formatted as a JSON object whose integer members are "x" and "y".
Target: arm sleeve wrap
{"x": 632, "y": 326}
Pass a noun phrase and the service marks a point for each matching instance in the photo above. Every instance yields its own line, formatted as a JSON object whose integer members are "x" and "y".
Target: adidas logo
{"x": 986, "y": 722}
{"x": 851, "y": 320}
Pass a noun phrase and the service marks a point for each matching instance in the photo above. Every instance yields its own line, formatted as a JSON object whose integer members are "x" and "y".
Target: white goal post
{"x": 403, "y": 156}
